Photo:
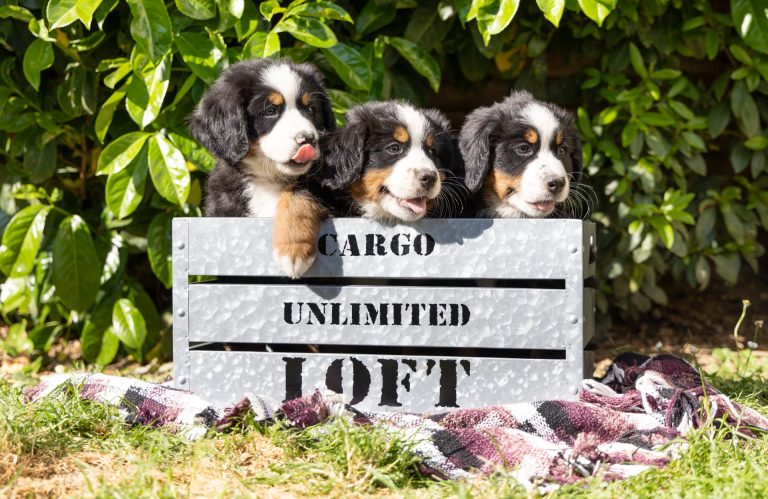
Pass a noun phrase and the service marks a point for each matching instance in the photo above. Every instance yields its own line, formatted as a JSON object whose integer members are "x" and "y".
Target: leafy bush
{"x": 670, "y": 99}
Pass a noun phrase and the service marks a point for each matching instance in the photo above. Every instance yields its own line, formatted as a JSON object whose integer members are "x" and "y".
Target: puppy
{"x": 522, "y": 157}
{"x": 393, "y": 163}
{"x": 263, "y": 119}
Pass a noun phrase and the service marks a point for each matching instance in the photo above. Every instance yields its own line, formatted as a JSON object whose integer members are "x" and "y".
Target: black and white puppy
{"x": 393, "y": 162}
{"x": 263, "y": 119}
{"x": 522, "y": 157}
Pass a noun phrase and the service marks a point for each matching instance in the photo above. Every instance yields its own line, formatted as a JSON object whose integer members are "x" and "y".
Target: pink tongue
{"x": 417, "y": 205}
{"x": 544, "y": 205}
{"x": 304, "y": 154}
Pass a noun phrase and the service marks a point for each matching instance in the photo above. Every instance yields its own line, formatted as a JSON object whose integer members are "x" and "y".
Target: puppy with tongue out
{"x": 390, "y": 162}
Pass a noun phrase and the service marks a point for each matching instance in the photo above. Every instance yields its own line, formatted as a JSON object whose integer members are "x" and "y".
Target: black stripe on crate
{"x": 498, "y": 353}
{"x": 389, "y": 281}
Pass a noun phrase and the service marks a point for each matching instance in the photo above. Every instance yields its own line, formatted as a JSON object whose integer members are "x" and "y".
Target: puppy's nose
{"x": 427, "y": 179}
{"x": 306, "y": 138}
{"x": 555, "y": 185}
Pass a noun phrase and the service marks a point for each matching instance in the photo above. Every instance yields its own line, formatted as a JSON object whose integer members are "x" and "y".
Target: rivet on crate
{"x": 180, "y": 245}
{"x": 573, "y": 319}
{"x": 573, "y": 249}
{"x": 181, "y": 312}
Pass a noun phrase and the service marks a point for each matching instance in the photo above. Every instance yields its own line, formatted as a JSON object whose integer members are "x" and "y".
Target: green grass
{"x": 69, "y": 447}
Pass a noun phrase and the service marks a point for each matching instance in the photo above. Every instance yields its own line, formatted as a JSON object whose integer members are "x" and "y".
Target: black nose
{"x": 306, "y": 138}
{"x": 427, "y": 179}
{"x": 556, "y": 185}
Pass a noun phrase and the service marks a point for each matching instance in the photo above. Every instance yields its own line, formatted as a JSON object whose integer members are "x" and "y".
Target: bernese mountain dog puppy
{"x": 522, "y": 157}
{"x": 263, "y": 120}
{"x": 394, "y": 163}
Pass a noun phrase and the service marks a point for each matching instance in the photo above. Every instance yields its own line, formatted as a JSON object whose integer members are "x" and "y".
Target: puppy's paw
{"x": 293, "y": 259}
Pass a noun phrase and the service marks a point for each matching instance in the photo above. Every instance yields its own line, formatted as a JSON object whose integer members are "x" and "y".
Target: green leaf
{"x": 151, "y": 27}
{"x": 712, "y": 46}
{"x": 636, "y": 58}
{"x": 107, "y": 111}
{"x": 75, "y": 268}
{"x": 168, "y": 169}
{"x": 120, "y": 152}
{"x": 40, "y": 159}
{"x": 98, "y": 341}
{"x": 60, "y": 13}
{"x": 21, "y": 240}
{"x": 733, "y": 223}
{"x": 308, "y": 30}
{"x": 350, "y": 65}
{"x": 719, "y": 116}
{"x": 750, "y": 18}
{"x": 597, "y": 10}
{"x": 425, "y": 28}
{"x": 146, "y": 91}
{"x": 125, "y": 188}
{"x": 270, "y": 8}
{"x": 741, "y": 55}
{"x": 374, "y": 16}
{"x": 493, "y": 16}
{"x": 702, "y": 271}
{"x": 745, "y": 109}
{"x": 727, "y": 266}
{"x": 39, "y": 56}
{"x": 419, "y": 59}
{"x": 664, "y": 230}
{"x": 197, "y": 9}
{"x": 128, "y": 324}
{"x": 757, "y": 143}
{"x": 159, "y": 247}
{"x": 192, "y": 152}
{"x": 15, "y": 12}
{"x": 206, "y": 56}
{"x": 552, "y": 9}
{"x": 325, "y": 10}
{"x": 261, "y": 45}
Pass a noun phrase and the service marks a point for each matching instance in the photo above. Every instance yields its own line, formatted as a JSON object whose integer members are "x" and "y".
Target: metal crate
{"x": 422, "y": 317}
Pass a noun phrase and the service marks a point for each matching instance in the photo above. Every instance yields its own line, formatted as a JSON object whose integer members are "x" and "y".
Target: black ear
{"x": 219, "y": 121}
{"x": 475, "y": 145}
{"x": 577, "y": 159}
{"x": 344, "y": 156}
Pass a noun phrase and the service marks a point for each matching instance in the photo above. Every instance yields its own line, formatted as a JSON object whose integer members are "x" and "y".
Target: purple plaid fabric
{"x": 633, "y": 419}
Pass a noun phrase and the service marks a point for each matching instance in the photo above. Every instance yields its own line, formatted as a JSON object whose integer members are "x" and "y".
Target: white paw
{"x": 293, "y": 267}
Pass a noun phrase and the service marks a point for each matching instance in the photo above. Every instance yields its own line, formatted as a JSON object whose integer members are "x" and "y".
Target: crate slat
{"x": 225, "y": 377}
{"x": 456, "y": 317}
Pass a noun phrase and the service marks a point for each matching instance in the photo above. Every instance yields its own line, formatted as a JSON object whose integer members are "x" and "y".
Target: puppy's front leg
{"x": 297, "y": 222}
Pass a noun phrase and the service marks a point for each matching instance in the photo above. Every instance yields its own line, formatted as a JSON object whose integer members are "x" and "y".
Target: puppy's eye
{"x": 432, "y": 151}
{"x": 524, "y": 150}
{"x": 394, "y": 149}
{"x": 311, "y": 108}
{"x": 562, "y": 151}
{"x": 270, "y": 111}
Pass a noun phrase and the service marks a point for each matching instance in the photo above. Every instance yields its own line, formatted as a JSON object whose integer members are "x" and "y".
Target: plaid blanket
{"x": 632, "y": 419}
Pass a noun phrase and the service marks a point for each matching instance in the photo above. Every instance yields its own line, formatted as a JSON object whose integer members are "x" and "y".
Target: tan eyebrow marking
{"x": 305, "y": 99}
{"x": 531, "y": 136}
{"x": 559, "y": 137}
{"x": 401, "y": 134}
{"x": 430, "y": 140}
{"x": 275, "y": 98}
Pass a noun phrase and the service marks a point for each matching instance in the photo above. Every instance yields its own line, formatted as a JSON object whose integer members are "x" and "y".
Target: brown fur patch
{"x": 297, "y": 221}
{"x": 559, "y": 137}
{"x": 305, "y": 99}
{"x": 401, "y": 134}
{"x": 531, "y": 136}
{"x": 276, "y": 98}
{"x": 368, "y": 188}
{"x": 430, "y": 140}
{"x": 499, "y": 184}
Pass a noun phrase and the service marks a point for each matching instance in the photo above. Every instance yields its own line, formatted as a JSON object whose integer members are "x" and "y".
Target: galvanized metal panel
{"x": 468, "y": 317}
{"x": 464, "y": 248}
{"x": 180, "y": 254}
{"x": 227, "y": 377}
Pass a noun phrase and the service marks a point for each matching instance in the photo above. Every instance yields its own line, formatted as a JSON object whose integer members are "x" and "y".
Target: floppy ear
{"x": 344, "y": 156}
{"x": 219, "y": 122}
{"x": 577, "y": 159}
{"x": 475, "y": 145}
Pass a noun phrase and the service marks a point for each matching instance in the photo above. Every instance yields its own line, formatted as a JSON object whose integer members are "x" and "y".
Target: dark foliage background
{"x": 670, "y": 98}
